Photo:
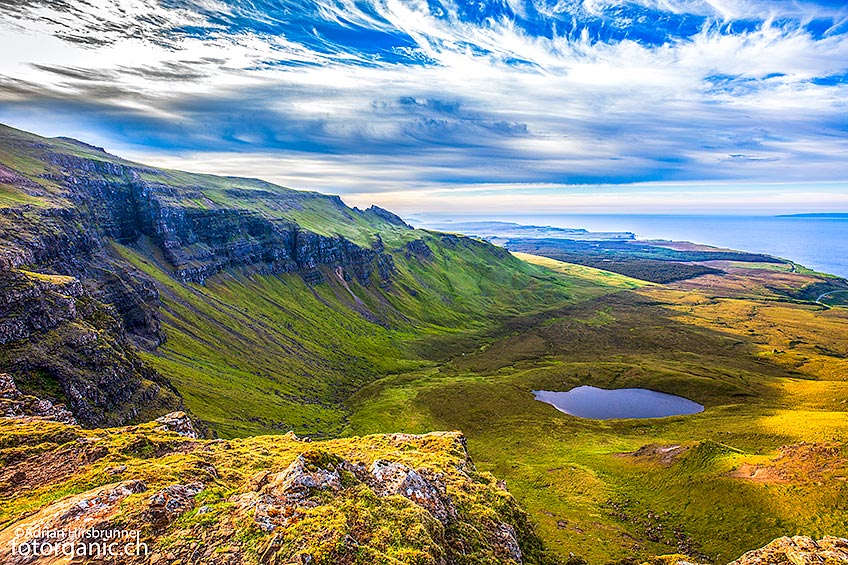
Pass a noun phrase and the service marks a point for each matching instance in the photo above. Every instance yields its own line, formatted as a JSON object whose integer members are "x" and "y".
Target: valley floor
{"x": 767, "y": 458}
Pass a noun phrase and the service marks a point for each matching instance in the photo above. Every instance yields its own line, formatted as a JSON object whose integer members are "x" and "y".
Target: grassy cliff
{"x": 265, "y": 308}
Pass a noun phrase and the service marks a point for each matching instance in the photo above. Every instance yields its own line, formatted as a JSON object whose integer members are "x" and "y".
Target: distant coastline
{"x": 815, "y": 240}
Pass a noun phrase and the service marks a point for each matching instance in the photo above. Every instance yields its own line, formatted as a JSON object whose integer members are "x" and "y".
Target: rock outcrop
{"x": 282, "y": 498}
{"x": 179, "y": 423}
{"x": 388, "y": 478}
{"x": 798, "y": 550}
{"x": 170, "y": 503}
{"x": 277, "y": 500}
{"x": 60, "y": 342}
{"x": 15, "y": 404}
{"x": 73, "y": 522}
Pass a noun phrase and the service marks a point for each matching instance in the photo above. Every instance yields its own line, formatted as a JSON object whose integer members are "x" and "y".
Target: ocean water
{"x": 817, "y": 243}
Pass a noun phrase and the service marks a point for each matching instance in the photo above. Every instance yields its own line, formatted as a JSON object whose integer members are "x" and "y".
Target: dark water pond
{"x": 602, "y": 404}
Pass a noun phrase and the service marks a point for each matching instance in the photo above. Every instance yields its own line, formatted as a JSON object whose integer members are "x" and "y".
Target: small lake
{"x": 602, "y": 404}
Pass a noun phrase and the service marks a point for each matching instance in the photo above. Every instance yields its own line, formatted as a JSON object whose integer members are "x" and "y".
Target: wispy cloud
{"x": 371, "y": 97}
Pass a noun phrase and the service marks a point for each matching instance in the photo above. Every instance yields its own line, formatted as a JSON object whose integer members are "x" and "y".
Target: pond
{"x": 602, "y": 404}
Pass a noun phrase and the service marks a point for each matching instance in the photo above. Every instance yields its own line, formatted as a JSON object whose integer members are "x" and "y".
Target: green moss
{"x": 352, "y": 525}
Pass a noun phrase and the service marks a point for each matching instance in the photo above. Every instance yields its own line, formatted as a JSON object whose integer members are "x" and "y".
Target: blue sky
{"x": 470, "y": 106}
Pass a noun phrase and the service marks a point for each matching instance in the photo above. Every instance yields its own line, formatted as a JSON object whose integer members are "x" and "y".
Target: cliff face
{"x": 60, "y": 341}
{"x": 15, "y": 404}
{"x": 72, "y": 312}
{"x": 197, "y": 236}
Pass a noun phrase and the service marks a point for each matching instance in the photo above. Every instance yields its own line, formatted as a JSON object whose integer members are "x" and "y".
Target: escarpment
{"x": 73, "y": 312}
{"x": 197, "y": 236}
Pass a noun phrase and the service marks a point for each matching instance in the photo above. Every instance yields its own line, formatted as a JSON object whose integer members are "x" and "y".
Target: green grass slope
{"x": 257, "y": 353}
{"x": 262, "y": 347}
{"x": 767, "y": 457}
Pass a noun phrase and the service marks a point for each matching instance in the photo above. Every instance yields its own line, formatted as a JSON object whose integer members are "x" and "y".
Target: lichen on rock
{"x": 179, "y": 423}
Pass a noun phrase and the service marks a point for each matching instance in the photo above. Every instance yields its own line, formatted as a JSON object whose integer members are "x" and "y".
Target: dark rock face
{"x": 418, "y": 249}
{"x": 32, "y": 304}
{"x": 61, "y": 343}
{"x": 43, "y": 236}
{"x": 115, "y": 201}
{"x": 71, "y": 334}
{"x": 15, "y": 404}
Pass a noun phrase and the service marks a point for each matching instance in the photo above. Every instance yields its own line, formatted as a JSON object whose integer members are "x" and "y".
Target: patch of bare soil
{"x": 654, "y": 453}
{"x": 799, "y": 463}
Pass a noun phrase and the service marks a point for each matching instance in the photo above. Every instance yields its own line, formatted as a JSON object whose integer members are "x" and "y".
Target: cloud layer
{"x": 390, "y": 100}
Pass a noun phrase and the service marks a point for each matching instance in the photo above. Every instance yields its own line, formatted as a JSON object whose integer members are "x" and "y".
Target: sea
{"x": 818, "y": 242}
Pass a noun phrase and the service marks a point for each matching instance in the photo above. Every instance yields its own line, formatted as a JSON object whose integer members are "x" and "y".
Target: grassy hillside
{"x": 768, "y": 457}
{"x": 258, "y": 353}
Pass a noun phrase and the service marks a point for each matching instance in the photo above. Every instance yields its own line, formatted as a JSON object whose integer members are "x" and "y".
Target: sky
{"x": 441, "y": 106}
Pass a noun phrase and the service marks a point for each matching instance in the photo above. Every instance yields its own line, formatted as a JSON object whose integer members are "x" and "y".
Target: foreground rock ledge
{"x": 798, "y": 550}
{"x": 165, "y": 496}
{"x": 395, "y": 498}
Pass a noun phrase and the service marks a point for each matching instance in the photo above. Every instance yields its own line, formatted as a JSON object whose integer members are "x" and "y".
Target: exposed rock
{"x": 31, "y": 304}
{"x": 79, "y": 514}
{"x": 419, "y": 249}
{"x": 282, "y": 495}
{"x": 177, "y": 422}
{"x": 506, "y": 542}
{"x": 8, "y": 389}
{"x": 15, "y": 404}
{"x": 310, "y": 471}
{"x": 799, "y": 550}
{"x": 663, "y": 454}
{"x": 170, "y": 503}
{"x": 258, "y": 480}
{"x": 388, "y": 478}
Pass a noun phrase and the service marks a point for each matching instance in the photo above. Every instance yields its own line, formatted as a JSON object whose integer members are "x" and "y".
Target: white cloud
{"x": 506, "y": 105}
